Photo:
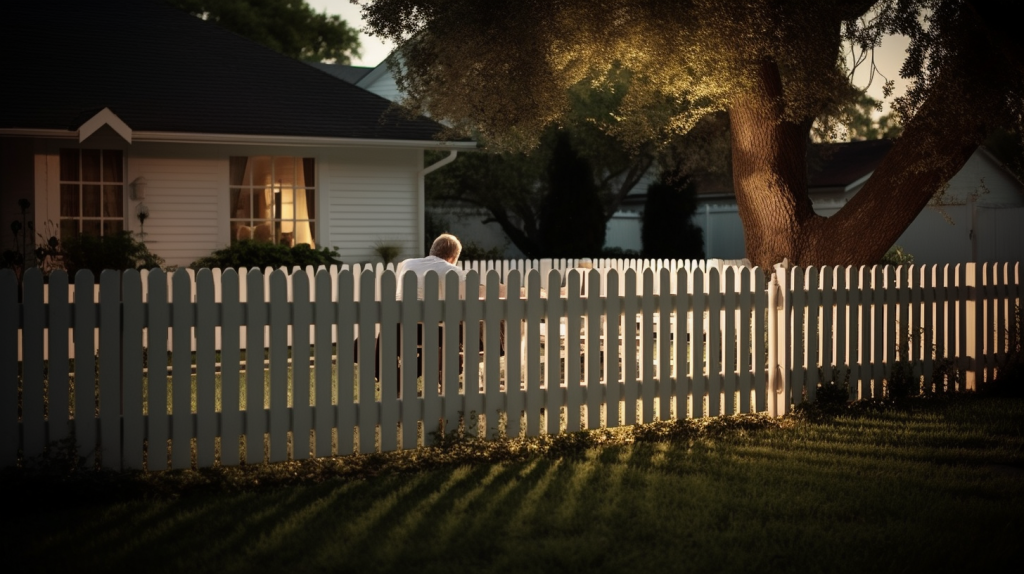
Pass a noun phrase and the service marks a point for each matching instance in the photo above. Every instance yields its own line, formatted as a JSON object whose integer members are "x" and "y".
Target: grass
{"x": 935, "y": 485}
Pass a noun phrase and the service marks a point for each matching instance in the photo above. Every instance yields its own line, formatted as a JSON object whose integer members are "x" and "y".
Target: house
{"x": 131, "y": 107}
{"x": 975, "y": 218}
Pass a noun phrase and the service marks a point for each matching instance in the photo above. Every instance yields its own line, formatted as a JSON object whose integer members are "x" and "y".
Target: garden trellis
{"x": 625, "y": 342}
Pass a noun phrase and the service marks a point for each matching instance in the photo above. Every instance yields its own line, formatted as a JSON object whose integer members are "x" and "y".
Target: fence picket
{"x": 9, "y": 370}
{"x": 230, "y": 374}
{"x": 181, "y": 370}
{"x": 432, "y": 401}
{"x": 156, "y": 372}
{"x": 878, "y": 366}
{"x": 730, "y": 374}
{"x": 553, "y": 317}
{"x": 760, "y": 340}
{"x": 681, "y": 309}
{"x": 367, "y": 417}
{"x": 515, "y": 400}
{"x": 472, "y": 312}
{"x": 255, "y": 427}
{"x": 492, "y": 314}
{"x": 388, "y": 364}
{"x": 573, "y": 327}
{"x": 453, "y": 405}
{"x": 612, "y": 340}
{"x": 864, "y": 338}
{"x": 278, "y": 320}
{"x": 744, "y": 323}
{"x": 698, "y": 336}
{"x": 302, "y": 320}
{"x": 33, "y": 422}
{"x": 132, "y": 372}
{"x": 928, "y": 334}
{"x": 714, "y": 343}
{"x": 592, "y": 380}
{"x": 411, "y": 404}
{"x": 665, "y": 320}
{"x": 534, "y": 398}
{"x": 647, "y": 349}
{"x": 205, "y": 343}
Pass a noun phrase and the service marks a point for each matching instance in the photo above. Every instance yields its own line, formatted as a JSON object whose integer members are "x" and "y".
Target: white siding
{"x": 184, "y": 197}
{"x": 983, "y": 177}
{"x": 370, "y": 197}
{"x": 385, "y": 87}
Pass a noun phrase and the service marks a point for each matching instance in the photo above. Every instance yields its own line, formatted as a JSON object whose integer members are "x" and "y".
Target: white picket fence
{"x": 669, "y": 341}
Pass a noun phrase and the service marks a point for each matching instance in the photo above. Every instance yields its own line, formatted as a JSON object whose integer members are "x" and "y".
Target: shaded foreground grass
{"x": 938, "y": 485}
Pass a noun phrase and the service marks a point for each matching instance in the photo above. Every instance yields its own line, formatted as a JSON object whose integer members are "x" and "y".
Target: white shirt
{"x": 420, "y": 267}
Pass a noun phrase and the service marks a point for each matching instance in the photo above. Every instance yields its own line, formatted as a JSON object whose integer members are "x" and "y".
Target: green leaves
{"x": 286, "y": 26}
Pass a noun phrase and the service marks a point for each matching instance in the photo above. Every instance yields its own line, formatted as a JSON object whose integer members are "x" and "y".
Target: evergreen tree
{"x": 668, "y": 231}
{"x": 572, "y": 222}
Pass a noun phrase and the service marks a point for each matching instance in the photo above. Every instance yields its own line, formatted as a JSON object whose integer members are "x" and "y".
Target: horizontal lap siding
{"x": 184, "y": 197}
{"x": 372, "y": 197}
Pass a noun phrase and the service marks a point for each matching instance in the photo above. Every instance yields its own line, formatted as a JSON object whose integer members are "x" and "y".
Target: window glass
{"x": 91, "y": 191}
{"x": 272, "y": 199}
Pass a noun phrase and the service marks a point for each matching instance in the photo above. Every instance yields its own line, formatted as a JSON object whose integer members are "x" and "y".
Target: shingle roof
{"x": 351, "y": 74}
{"x": 160, "y": 69}
{"x": 840, "y": 164}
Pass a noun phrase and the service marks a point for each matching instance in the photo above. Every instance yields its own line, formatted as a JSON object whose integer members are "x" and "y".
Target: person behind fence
{"x": 442, "y": 259}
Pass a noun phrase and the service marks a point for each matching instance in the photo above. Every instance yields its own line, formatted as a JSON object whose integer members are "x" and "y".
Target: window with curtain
{"x": 91, "y": 192}
{"x": 273, "y": 199}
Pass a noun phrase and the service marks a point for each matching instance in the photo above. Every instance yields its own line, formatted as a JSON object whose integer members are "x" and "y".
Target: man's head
{"x": 447, "y": 247}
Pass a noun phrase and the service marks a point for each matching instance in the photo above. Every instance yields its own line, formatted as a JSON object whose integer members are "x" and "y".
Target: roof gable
{"x": 164, "y": 70}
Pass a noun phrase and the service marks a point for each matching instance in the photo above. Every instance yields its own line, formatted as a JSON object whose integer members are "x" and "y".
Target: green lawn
{"x": 937, "y": 488}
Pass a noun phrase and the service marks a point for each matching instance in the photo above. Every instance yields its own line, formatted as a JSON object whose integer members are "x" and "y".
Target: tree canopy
{"x": 290, "y": 27}
{"x": 505, "y": 69}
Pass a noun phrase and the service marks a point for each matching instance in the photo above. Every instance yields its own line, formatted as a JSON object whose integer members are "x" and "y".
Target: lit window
{"x": 273, "y": 199}
{"x": 91, "y": 192}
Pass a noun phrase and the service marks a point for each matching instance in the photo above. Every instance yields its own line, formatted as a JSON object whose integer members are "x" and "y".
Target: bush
{"x": 259, "y": 254}
{"x": 902, "y": 383}
{"x": 619, "y": 253}
{"x": 388, "y": 252}
{"x": 473, "y": 252}
{"x": 897, "y": 256}
{"x": 119, "y": 251}
{"x": 831, "y": 397}
{"x": 668, "y": 231}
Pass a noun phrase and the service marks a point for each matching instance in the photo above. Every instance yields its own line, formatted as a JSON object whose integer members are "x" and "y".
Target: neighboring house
{"x": 118, "y": 107}
{"x": 977, "y": 217}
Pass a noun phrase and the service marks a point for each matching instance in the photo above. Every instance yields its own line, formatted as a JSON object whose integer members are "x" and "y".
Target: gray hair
{"x": 447, "y": 247}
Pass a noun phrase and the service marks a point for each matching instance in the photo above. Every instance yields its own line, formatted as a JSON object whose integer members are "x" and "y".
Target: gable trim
{"x": 105, "y": 117}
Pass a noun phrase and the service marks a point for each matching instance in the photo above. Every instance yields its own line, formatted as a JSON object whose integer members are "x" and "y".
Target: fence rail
{"x": 583, "y": 349}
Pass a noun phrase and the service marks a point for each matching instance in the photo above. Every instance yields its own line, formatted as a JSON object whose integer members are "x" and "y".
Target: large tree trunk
{"x": 934, "y": 146}
{"x": 770, "y": 173}
{"x": 770, "y": 179}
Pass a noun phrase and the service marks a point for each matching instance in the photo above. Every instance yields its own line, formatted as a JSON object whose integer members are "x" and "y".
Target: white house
{"x": 976, "y": 218}
{"x": 124, "y": 107}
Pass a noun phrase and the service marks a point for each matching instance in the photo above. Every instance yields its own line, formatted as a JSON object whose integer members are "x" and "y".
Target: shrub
{"x": 118, "y": 251}
{"x": 896, "y": 256}
{"x": 388, "y": 252}
{"x": 259, "y": 254}
{"x": 902, "y": 383}
{"x": 619, "y": 253}
{"x": 668, "y": 231}
{"x": 831, "y": 397}
{"x": 473, "y": 252}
